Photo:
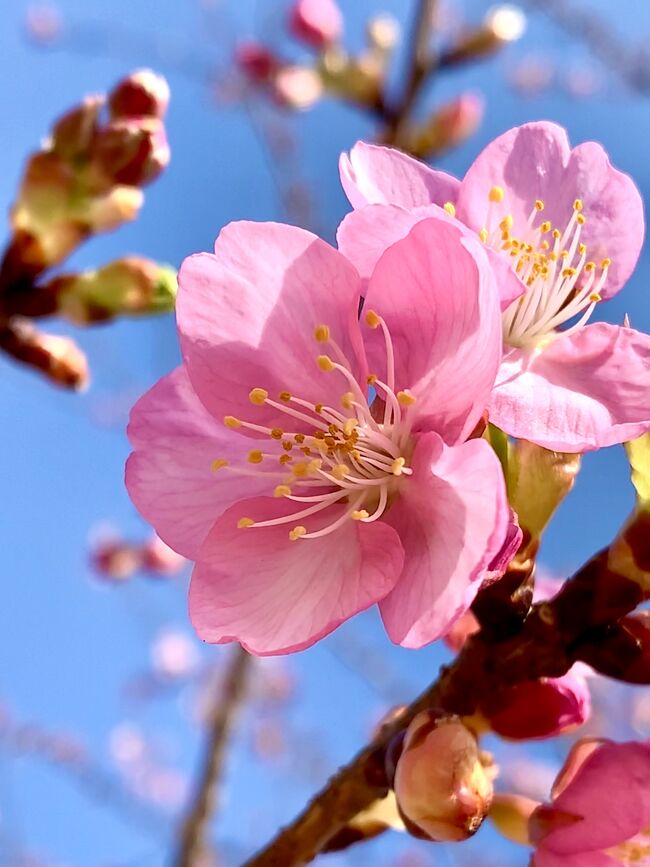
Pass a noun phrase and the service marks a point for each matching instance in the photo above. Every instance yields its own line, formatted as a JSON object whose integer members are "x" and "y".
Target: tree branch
{"x": 193, "y": 831}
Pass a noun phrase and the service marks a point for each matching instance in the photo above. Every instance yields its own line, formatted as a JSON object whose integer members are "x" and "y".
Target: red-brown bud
{"x": 141, "y": 94}
{"x": 442, "y": 787}
{"x": 58, "y": 358}
{"x": 132, "y": 151}
{"x": 256, "y": 61}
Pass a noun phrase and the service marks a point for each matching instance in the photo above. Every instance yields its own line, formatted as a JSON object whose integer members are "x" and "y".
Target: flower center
{"x": 562, "y": 284}
{"x": 350, "y": 456}
{"x": 634, "y": 852}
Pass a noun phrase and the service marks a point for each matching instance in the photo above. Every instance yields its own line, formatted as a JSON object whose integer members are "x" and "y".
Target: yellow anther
{"x": 595, "y": 297}
{"x": 356, "y": 454}
{"x": 277, "y": 433}
{"x": 545, "y": 227}
{"x": 321, "y": 333}
{"x": 568, "y": 272}
{"x": 231, "y": 422}
{"x": 349, "y": 426}
{"x": 314, "y": 466}
{"x": 539, "y": 205}
{"x": 347, "y": 399}
{"x": 297, "y": 532}
{"x": 285, "y": 459}
{"x": 282, "y": 491}
{"x": 255, "y": 457}
{"x": 581, "y": 219}
{"x": 606, "y": 263}
{"x": 300, "y": 468}
{"x": 483, "y": 234}
{"x": 373, "y": 319}
{"x": 556, "y": 233}
{"x": 582, "y": 249}
{"x": 339, "y": 471}
{"x": 318, "y": 407}
{"x": 305, "y": 450}
{"x": 242, "y": 523}
{"x": 285, "y": 396}
{"x": 371, "y": 379}
{"x": 406, "y": 398}
{"x": 506, "y": 224}
{"x": 496, "y": 194}
{"x": 325, "y": 363}
{"x": 359, "y": 514}
{"x": 258, "y": 396}
{"x": 450, "y": 208}
{"x": 321, "y": 445}
{"x": 590, "y": 266}
{"x": 332, "y": 428}
{"x": 544, "y": 245}
{"x": 299, "y": 438}
{"x": 219, "y": 464}
{"x": 397, "y": 466}
{"x": 578, "y": 205}
{"x": 287, "y": 446}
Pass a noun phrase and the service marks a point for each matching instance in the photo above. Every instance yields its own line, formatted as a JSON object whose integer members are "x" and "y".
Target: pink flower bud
{"x": 319, "y": 23}
{"x": 115, "y": 560}
{"x": 540, "y": 708}
{"x": 297, "y": 87}
{"x": 132, "y": 151}
{"x": 443, "y": 790}
{"x": 141, "y": 94}
{"x": 256, "y": 61}
{"x": 159, "y": 559}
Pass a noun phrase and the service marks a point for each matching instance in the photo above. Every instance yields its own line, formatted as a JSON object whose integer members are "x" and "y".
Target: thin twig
{"x": 193, "y": 831}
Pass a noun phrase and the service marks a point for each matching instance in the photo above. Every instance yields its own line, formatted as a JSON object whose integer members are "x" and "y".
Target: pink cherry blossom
{"x": 319, "y": 23}
{"x": 599, "y": 813}
{"x": 262, "y": 458}
{"x": 569, "y": 227}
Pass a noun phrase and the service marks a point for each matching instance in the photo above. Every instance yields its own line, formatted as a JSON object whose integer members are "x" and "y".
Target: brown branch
{"x": 193, "y": 831}
{"x": 420, "y": 66}
{"x": 546, "y": 646}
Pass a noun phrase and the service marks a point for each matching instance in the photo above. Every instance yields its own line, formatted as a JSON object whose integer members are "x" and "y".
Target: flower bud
{"x": 443, "y": 790}
{"x": 132, "y": 286}
{"x": 73, "y": 133}
{"x": 297, "y": 87}
{"x": 383, "y": 33}
{"x": 256, "y": 61}
{"x": 159, "y": 559}
{"x": 448, "y": 127}
{"x": 141, "y": 94}
{"x": 58, "y": 358}
{"x": 502, "y": 24}
{"x": 115, "y": 560}
{"x": 318, "y": 23}
{"x": 541, "y": 708}
{"x": 132, "y": 151}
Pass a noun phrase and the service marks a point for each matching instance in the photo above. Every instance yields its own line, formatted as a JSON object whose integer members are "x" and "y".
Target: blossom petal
{"x": 278, "y": 596}
{"x": 452, "y": 517}
{"x": 611, "y": 793}
{"x": 170, "y": 477}
{"x": 546, "y": 858}
{"x": 584, "y": 391}
{"x": 247, "y": 313}
{"x": 372, "y": 174}
{"x": 535, "y": 161}
{"x": 436, "y": 292}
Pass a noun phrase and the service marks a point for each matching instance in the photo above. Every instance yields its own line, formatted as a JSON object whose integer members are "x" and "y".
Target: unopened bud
{"x": 443, "y": 790}
{"x": 115, "y": 561}
{"x": 510, "y": 813}
{"x": 72, "y": 134}
{"x": 383, "y": 33}
{"x": 141, "y": 94}
{"x": 159, "y": 559}
{"x": 541, "y": 708}
{"x": 297, "y": 87}
{"x": 256, "y": 61}
{"x": 319, "y": 23}
{"x": 502, "y": 24}
{"x": 57, "y": 358}
{"x": 448, "y": 127}
{"x": 132, "y": 151}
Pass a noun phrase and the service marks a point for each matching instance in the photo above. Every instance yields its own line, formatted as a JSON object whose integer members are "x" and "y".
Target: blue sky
{"x": 67, "y": 644}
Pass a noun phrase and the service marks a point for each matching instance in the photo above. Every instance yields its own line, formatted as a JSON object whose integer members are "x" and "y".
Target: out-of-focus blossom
{"x": 319, "y": 23}
{"x": 297, "y": 87}
{"x": 555, "y": 216}
{"x": 131, "y": 151}
{"x": 256, "y": 61}
{"x": 532, "y": 75}
{"x": 44, "y": 23}
{"x": 116, "y": 559}
{"x": 448, "y": 126}
{"x": 386, "y": 536}
{"x": 383, "y": 33}
{"x": 159, "y": 559}
{"x": 443, "y": 791}
{"x": 132, "y": 286}
{"x": 502, "y": 24}
{"x": 174, "y": 655}
{"x": 599, "y": 812}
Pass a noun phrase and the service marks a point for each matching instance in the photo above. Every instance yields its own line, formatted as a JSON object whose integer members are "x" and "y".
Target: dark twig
{"x": 193, "y": 831}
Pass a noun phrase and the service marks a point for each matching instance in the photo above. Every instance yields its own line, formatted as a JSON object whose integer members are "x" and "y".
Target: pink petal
{"x": 437, "y": 294}
{"x": 584, "y": 391}
{"x": 452, "y": 517}
{"x": 246, "y": 317}
{"x": 379, "y": 175}
{"x": 535, "y": 161}
{"x": 502, "y": 559}
{"x": 257, "y": 587}
{"x": 611, "y": 793}
{"x": 546, "y": 858}
{"x": 169, "y": 476}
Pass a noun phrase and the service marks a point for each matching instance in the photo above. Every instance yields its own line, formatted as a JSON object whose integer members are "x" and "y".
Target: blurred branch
{"x": 193, "y": 831}
{"x": 550, "y": 640}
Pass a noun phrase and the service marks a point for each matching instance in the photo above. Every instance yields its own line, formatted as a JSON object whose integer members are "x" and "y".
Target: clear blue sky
{"x": 68, "y": 645}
